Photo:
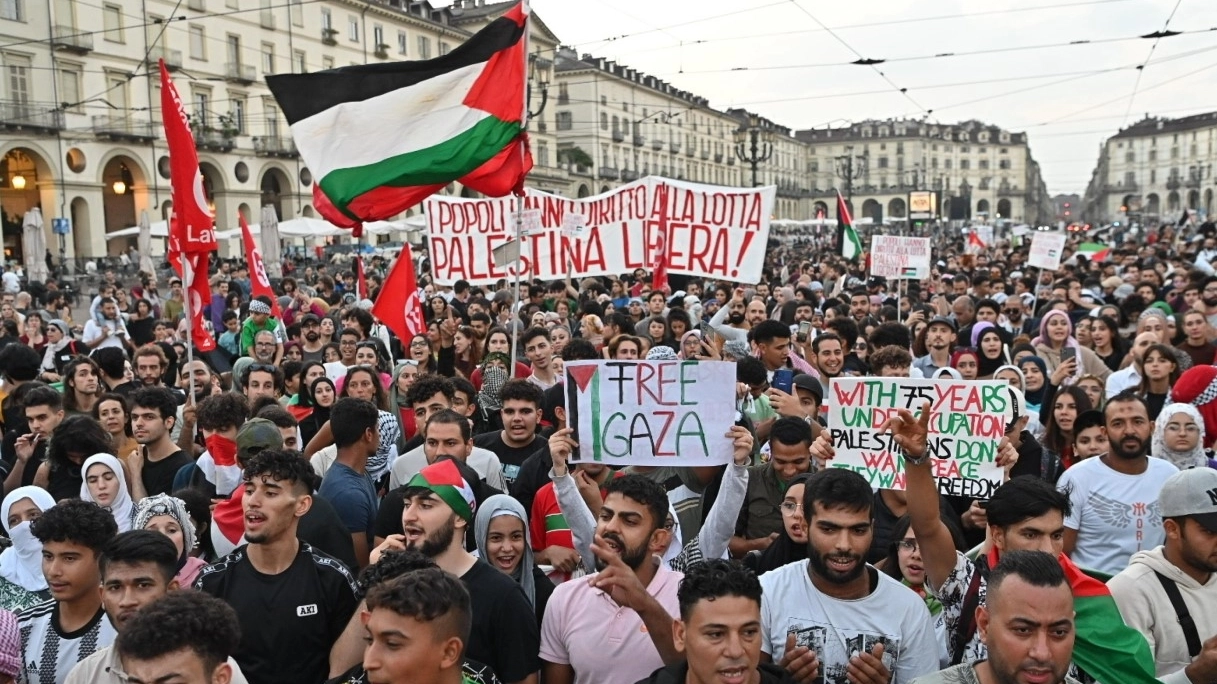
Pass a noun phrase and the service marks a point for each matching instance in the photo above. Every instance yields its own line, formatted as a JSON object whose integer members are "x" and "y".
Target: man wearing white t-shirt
{"x": 1114, "y": 497}
{"x": 832, "y": 617}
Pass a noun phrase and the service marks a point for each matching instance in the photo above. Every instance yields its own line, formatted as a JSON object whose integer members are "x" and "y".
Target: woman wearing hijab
{"x": 168, "y": 515}
{"x": 1179, "y": 437}
{"x": 992, "y": 347}
{"x": 791, "y": 543}
{"x": 500, "y": 531}
{"x": 317, "y": 398}
{"x": 1035, "y": 380}
{"x": 967, "y": 362}
{"x": 1056, "y": 334}
{"x": 404, "y": 374}
{"x": 22, "y": 583}
{"x": 106, "y": 485}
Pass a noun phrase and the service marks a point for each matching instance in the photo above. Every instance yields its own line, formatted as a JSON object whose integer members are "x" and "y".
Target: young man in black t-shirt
{"x": 293, "y": 601}
{"x": 154, "y": 465}
{"x": 522, "y": 401}
{"x": 439, "y": 509}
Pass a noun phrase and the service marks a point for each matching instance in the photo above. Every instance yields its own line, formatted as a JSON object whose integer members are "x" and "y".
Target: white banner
{"x": 896, "y": 256}
{"x": 1046, "y": 249}
{"x": 708, "y": 231}
{"x": 673, "y": 413}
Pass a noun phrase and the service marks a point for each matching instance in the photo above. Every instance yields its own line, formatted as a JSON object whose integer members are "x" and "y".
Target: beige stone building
{"x": 1154, "y": 169}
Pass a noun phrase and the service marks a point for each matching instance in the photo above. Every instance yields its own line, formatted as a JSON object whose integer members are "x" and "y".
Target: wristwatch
{"x": 925, "y": 456}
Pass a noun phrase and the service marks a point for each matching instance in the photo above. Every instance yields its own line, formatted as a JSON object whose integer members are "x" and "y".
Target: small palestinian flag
{"x": 1094, "y": 251}
{"x": 445, "y": 481}
{"x": 380, "y": 138}
{"x": 847, "y": 237}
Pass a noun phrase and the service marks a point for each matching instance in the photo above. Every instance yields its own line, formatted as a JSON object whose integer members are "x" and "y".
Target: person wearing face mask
{"x": 22, "y": 583}
{"x": 106, "y": 485}
{"x": 219, "y": 417}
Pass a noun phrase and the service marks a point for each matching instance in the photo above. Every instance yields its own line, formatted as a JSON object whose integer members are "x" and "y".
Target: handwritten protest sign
{"x": 967, "y": 422}
{"x": 896, "y": 256}
{"x": 673, "y": 413}
{"x": 710, "y": 231}
{"x": 1046, "y": 249}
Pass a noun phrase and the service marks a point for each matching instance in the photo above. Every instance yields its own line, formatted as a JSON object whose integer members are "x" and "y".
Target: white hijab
{"x": 21, "y": 563}
{"x": 122, "y": 505}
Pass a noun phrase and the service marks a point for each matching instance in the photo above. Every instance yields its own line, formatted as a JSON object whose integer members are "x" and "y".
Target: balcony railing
{"x": 563, "y": 98}
{"x": 629, "y": 175}
{"x": 731, "y": 160}
{"x": 690, "y": 152}
{"x": 275, "y": 146}
{"x": 705, "y": 154}
{"x": 579, "y": 170}
{"x": 675, "y": 145}
{"x": 240, "y": 73}
{"x": 173, "y": 58}
{"x": 618, "y": 136}
{"x": 329, "y": 36}
{"x": 44, "y": 116}
{"x": 639, "y": 141}
{"x": 1173, "y": 183}
{"x": 267, "y": 19}
{"x": 542, "y": 127}
{"x": 122, "y": 127}
{"x": 656, "y": 145}
{"x": 382, "y": 51}
{"x": 718, "y": 157}
{"x": 72, "y": 39}
{"x": 196, "y": 5}
{"x": 609, "y": 173}
{"x": 212, "y": 139}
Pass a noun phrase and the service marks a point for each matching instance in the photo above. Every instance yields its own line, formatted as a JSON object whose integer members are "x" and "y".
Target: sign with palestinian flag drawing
{"x": 708, "y": 231}
{"x": 896, "y": 256}
{"x": 672, "y": 413}
{"x": 1046, "y": 250}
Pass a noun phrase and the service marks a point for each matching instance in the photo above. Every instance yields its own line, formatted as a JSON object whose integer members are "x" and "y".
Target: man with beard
{"x": 292, "y": 600}
{"x": 1208, "y": 295}
{"x": 439, "y": 511}
{"x": 617, "y": 626}
{"x": 310, "y": 332}
{"x": 832, "y": 617}
{"x": 731, "y": 322}
{"x": 1027, "y": 621}
{"x": 828, "y": 350}
{"x": 1115, "y": 496}
{"x": 1163, "y": 585}
{"x": 939, "y": 340}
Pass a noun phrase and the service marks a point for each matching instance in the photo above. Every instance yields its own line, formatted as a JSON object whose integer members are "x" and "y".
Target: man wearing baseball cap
{"x": 939, "y": 340}
{"x": 1169, "y": 593}
{"x": 439, "y": 509}
{"x": 312, "y": 348}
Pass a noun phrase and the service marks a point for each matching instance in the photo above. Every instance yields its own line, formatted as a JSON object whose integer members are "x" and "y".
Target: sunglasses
{"x": 262, "y": 367}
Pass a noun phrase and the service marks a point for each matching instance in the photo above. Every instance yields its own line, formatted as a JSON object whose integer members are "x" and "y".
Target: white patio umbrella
{"x": 144, "y": 243}
{"x": 272, "y": 255}
{"x": 34, "y": 245}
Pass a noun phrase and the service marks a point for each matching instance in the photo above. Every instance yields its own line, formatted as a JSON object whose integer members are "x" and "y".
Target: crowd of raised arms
{"x": 318, "y": 500}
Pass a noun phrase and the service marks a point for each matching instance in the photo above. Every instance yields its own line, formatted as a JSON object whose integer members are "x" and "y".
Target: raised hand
{"x": 910, "y": 432}
{"x": 801, "y": 662}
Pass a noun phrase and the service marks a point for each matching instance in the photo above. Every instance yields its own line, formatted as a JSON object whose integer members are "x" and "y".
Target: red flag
{"x": 195, "y": 231}
{"x": 659, "y": 256}
{"x": 361, "y": 280}
{"x": 194, "y": 278}
{"x": 398, "y": 305}
{"x": 258, "y": 280}
{"x": 975, "y": 241}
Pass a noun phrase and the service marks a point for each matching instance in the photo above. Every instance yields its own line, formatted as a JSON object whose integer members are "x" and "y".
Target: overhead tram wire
{"x": 1165, "y": 32}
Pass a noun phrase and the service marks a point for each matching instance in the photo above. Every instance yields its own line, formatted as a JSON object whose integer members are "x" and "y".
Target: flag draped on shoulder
{"x": 380, "y": 138}
{"x": 398, "y": 306}
{"x": 847, "y": 237}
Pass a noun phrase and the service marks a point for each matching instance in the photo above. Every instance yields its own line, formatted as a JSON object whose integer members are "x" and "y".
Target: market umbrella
{"x": 272, "y": 256}
{"x": 145, "y": 245}
{"x": 34, "y": 245}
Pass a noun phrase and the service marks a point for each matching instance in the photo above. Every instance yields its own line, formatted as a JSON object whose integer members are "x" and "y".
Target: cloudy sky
{"x": 1013, "y": 64}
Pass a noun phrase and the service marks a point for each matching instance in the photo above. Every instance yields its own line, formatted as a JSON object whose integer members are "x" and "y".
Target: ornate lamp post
{"x": 752, "y": 145}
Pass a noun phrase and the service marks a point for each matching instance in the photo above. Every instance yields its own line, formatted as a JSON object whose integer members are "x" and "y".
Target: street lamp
{"x": 851, "y": 167}
{"x": 752, "y": 145}
{"x": 18, "y": 182}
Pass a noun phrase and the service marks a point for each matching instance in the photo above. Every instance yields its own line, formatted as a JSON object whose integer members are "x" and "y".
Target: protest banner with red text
{"x": 968, "y": 419}
{"x": 704, "y": 230}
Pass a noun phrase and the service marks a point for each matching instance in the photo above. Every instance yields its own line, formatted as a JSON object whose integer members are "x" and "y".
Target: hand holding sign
{"x": 561, "y": 445}
{"x": 909, "y": 432}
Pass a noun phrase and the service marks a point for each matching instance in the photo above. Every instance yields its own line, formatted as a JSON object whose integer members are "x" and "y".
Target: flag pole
{"x": 518, "y": 304}
{"x": 188, "y": 270}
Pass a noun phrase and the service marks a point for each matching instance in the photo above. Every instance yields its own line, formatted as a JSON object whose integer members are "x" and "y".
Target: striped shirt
{"x": 48, "y": 653}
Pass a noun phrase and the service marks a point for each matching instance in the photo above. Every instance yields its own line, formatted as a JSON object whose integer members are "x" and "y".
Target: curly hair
{"x": 390, "y": 565}
{"x": 427, "y": 595}
{"x": 222, "y": 411}
{"x": 715, "y": 578}
{"x": 521, "y": 389}
{"x": 427, "y": 386}
{"x": 78, "y": 434}
{"x": 182, "y": 620}
{"x": 646, "y": 492}
{"x": 281, "y": 466}
{"x": 78, "y": 522}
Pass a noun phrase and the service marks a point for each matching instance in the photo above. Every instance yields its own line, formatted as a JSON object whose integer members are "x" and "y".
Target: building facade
{"x": 1153, "y": 170}
{"x": 982, "y": 171}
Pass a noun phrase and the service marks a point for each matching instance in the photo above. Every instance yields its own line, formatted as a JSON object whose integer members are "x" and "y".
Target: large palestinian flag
{"x": 847, "y": 238}
{"x": 380, "y": 138}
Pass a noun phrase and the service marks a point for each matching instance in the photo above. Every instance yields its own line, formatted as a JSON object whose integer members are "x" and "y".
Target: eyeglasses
{"x": 419, "y": 343}
{"x": 909, "y": 545}
{"x": 791, "y": 507}
{"x": 1190, "y": 428}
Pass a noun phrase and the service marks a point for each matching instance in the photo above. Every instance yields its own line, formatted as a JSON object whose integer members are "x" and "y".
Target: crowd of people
{"x": 319, "y": 499}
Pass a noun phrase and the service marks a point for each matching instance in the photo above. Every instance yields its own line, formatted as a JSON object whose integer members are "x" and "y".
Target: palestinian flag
{"x": 1094, "y": 251}
{"x": 1105, "y": 648}
{"x": 847, "y": 237}
{"x": 380, "y": 138}
{"x": 445, "y": 481}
